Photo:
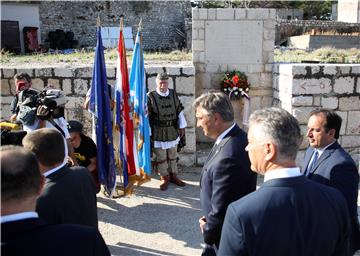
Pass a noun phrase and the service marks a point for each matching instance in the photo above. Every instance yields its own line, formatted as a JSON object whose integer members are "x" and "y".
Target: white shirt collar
{"x": 164, "y": 94}
{"x": 18, "y": 216}
{"x": 321, "y": 150}
{"x": 282, "y": 173}
{"x": 51, "y": 171}
{"x": 223, "y": 134}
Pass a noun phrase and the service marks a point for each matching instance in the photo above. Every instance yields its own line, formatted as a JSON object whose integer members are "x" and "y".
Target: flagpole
{"x": 140, "y": 25}
{"x": 98, "y": 22}
{"x": 121, "y": 23}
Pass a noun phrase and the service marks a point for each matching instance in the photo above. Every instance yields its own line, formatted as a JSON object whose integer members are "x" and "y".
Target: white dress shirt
{"x": 18, "y": 216}
{"x": 181, "y": 123}
{"x": 282, "y": 173}
{"x": 47, "y": 173}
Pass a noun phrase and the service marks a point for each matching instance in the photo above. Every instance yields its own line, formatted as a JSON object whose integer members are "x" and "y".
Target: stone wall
{"x": 234, "y": 39}
{"x": 300, "y": 88}
{"x": 286, "y": 28}
{"x": 161, "y": 20}
{"x": 76, "y": 81}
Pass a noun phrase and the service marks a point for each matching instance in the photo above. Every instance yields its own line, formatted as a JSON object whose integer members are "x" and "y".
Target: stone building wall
{"x": 161, "y": 20}
{"x": 300, "y": 88}
{"x": 234, "y": 39}
{"x": 76, "y": 81}
{"x": 286, "y": 28}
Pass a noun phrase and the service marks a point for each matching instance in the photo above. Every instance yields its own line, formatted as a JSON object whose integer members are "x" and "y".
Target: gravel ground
{"x": 154, "y": 222}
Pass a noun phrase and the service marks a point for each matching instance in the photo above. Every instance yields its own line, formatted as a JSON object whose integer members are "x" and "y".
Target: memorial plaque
{"x": 233, "y": 42}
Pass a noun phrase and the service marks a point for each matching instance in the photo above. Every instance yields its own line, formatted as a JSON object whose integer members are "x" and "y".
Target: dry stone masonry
{"x": 76, "y": 81}
{"x": 300, "y": 88}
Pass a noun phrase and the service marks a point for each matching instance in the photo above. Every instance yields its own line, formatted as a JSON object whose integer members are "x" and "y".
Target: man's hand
{"x": 42, "y": 112}
{"x": 202, "y": 223}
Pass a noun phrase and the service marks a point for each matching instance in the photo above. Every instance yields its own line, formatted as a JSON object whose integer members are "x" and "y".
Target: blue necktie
{"x": 313, "y": 162}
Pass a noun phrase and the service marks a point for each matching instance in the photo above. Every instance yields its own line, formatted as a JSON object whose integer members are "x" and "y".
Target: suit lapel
{"x": 326, "y": 154}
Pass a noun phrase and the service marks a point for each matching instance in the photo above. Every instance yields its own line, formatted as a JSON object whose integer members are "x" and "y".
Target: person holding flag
{"x": 168, "y": 124}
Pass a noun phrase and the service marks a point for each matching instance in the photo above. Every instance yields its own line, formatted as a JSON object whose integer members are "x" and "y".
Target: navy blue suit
{"x": 288, "y": 216}
{"x": 69, "y": 197}
{"x": 226, "y": 177}
{"x": 337, "y": 169}
{"x": 34, "y": 237}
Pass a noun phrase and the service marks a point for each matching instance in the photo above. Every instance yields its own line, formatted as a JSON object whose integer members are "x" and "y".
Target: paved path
{"x": 153, "y": 222}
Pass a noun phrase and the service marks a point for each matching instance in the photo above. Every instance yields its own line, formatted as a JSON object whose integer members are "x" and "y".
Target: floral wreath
{"x": 235, "y": 84}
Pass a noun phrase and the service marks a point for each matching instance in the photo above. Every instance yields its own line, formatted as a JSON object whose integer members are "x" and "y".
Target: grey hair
{"x": 281, "y": 128}
{"x": 216, "y": 102}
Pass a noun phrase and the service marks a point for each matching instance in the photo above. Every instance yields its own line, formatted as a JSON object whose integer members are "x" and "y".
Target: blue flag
{"x": 139, "y": 102}
{"x": 99, "y": 106}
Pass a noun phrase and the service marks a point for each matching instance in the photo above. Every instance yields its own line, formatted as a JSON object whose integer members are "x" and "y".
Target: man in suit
{"x": 69, "y": 195}
{"x": 226, "y": 175}
{"x": 288, "y": 214}
{"x": 22, "y": 231}
{"x": 328, "y": 163}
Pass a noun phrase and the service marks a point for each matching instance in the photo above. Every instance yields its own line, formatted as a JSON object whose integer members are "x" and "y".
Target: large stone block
{"x": 190, "y": 141}
{"x": 186, "y": 160}
{"x": 29, "y": 71}
{"x": 8, "y": 72}
{"x": 265, "y": 80}
{"x": 80, "y": 86}
{"x": 66, "y": 86}
{"x": 63, "y": 72}
{"x": 225, "y": 14}
{"x": 43, "y": 72}
{"x": 153, "y": 70}
{"x": 358, "y": 85}
{"x": 37, "y": 84}
{"x": 6, "y": 99}
{"x": 198, "y": 24}
{"x": 5, "y": 112}
{"x": 185, "y": 85}
{"x": 203, "y": 14}
{"x": 330, "y": 69}
{"x": 257, "y": 14}
{"x": 350, "y": 141}
{"x": 240, "y": 13}
{"x": 53, "y": 83}
{"x": 268, "y": 45}
{"x": 344, "y": 69}
{"x": 173, "y": 70}
{"x": 223, "y": 37}
{"x": 189, "y": 111}
{"x": 211, "y": 14}
{"x": 201, "y": 34}
{"x": 344, "y": 117}
{"x": 311, "y": 86}
{"x": 349, "y": 103}
{"x": 194, "y": 34}
{"x": 299, "y": 70}
{"x": 315, "y": 69}
{"x": 110, "y": 72}
{"x": 353, "y": 126}
{"x": 12, "y": 86}
{"x": 300, "y": 101}
{"x": 85, "y": 72}
{"x": 329, "y": 102}
{"x": 198, "y": 45}
{"x": 5, "y": 87}
{"x": 344, "y": 85}
{"x": 301, "y": 113}
{"x": 212, "y": 68}
{"x": 74, "y": 102}
{"x": 195, "y": 13}
{"x": 355, "y": 69}
{"x": 198, "y": 57}
{"x": 256, "y": 68}
{"x": 190, "y": 71}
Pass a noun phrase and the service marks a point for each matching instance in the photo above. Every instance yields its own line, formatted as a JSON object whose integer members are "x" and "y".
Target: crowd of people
{"x": 49, "y": 183}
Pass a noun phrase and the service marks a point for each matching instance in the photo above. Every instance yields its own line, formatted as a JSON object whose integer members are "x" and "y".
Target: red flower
{"x": 235, "y": 79}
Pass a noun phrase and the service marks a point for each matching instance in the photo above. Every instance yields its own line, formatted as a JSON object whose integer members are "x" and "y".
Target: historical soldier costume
{"x": 168, "y": 124}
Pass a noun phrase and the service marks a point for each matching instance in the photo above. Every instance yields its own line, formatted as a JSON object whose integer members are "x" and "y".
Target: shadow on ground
{"x": 175, "y": 212}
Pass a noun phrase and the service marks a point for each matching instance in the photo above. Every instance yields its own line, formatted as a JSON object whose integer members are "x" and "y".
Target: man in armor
{"x": 168, "y": 124}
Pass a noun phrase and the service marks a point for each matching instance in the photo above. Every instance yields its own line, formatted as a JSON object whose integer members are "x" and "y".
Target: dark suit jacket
{"x": 226, "y": 177}
{"x": 69, "y": 197}
{"x": 35, "y": 237}
{"x": 337, "y": 169}
{"x": 289, "y": 216}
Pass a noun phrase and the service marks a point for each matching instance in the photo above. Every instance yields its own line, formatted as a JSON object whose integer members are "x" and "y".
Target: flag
{"x": 99, "y": 106}
{"x": 122, "y": 115}
{"x": 139, "y": 101}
